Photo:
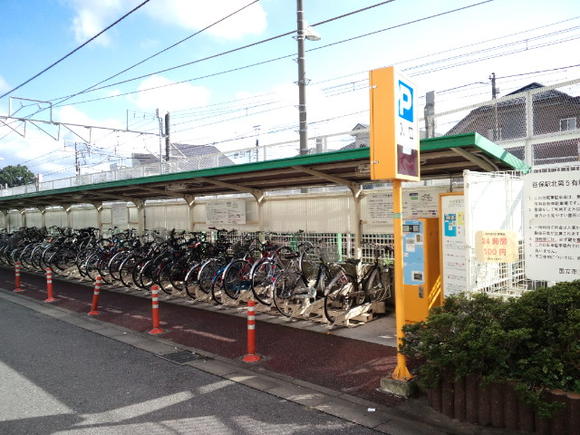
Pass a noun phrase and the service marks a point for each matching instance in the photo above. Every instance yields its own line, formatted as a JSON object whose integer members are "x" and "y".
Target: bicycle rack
{"x": 360, "y": 314}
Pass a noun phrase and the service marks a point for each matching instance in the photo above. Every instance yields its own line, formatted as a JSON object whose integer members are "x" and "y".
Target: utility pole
{"x": 303, "y": 127}
{"x": 494, "y": 89}
{"x": 160, "y": 120}
{"x": 167, "y": 140}
{"x": 257, "y": 130}
{"x": 429, "y": 112}
{"x": 77, "y": 161}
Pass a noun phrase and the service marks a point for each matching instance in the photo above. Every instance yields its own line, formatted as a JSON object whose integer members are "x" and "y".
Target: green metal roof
{"x": 440, "y": 157}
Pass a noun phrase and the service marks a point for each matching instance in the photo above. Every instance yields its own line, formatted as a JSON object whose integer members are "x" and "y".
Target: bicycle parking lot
{"x": 210, "y": 274}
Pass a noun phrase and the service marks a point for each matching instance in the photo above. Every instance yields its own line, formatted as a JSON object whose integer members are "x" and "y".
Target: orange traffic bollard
{"x": 251, "y": 356}
{"x": 17, "y": 269}
{"x": 155, "y": 311}
{"x": 49, "y": 290}
{"x": 96, "y": 294}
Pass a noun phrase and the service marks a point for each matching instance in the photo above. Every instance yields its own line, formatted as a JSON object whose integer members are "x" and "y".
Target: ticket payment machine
{"x": 421, "y": 270}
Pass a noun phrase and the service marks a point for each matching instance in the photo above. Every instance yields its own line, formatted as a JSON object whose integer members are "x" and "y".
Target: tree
{"x": 16, "y": 175}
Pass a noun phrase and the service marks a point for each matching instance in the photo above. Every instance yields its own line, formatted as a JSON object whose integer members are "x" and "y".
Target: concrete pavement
{"x": 55, "y": 378}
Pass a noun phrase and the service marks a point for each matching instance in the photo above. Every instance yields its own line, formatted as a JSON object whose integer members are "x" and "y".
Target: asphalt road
{"x": 58, "y": 378}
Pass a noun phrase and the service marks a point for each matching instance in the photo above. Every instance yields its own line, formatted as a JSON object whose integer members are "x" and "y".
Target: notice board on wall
{"x": 418, "y": 202}
{"x": 552, "y": 224}
{"x": 452, "y": 240}
{"x": 226, "y": 212}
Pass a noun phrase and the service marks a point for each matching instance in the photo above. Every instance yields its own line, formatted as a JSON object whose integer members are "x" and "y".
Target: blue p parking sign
{"x": 406, "y": 102}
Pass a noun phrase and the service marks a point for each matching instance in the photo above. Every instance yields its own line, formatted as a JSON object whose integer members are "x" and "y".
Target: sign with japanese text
{"x": 394, "y": 127}
{"x": 226, "y": 212}
{"x": 496, "y": 246}
{"x": 552, "y": 224}
{"x": 418, "y": 202}
{"x": 452, "y": 240}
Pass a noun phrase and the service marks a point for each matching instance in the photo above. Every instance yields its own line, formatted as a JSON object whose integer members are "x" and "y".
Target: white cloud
{"x": 43, "y": 154}
{"x": 15, "y": 148}
{"x": 4, "y": 86}
{"x": 195, "y": 15}
{"x": 73, "y": 115}
{"x": 92, "y": 16}
{"x": 169, "y": 98}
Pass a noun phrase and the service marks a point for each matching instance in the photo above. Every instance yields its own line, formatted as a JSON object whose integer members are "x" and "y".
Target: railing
{"x": 328, "y": 143}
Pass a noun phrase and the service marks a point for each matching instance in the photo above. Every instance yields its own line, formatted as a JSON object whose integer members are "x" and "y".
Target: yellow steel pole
{"x": 401, "y": 372}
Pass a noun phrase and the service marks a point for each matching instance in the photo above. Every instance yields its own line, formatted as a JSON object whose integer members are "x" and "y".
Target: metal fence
{"x": 538, "y": 124}
{"x": 494, "y": 201}
{"x": 333, "y": 246}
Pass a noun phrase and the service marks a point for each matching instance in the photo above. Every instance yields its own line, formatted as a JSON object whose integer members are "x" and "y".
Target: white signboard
{"x": 422, "y": 202}
{"x": 379, "y": 207}
{"x": 120, "y": 215}
{"x": 453, "y": 252}
{"x": 552, "y": 224}
{"x": 226, "y": 212}
{"x": 419, "y": 202}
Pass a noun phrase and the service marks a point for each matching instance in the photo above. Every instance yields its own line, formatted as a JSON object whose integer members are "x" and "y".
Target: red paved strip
{"x": 352, "y": 366}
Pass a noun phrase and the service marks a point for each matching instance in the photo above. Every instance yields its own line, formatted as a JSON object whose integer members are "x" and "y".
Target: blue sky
{"x": 34, "y": 33}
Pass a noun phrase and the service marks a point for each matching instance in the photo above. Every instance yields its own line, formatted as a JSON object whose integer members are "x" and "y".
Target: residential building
{"x": 541, "y": 127}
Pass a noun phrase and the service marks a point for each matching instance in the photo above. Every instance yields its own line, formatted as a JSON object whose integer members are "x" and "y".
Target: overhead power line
{"x": 414, "y": 59}
{"x": 160, "y": 51}
{"x": 223, "y": 53}
{"x": 264, "y": 61}
{"x": 539, "y": 71}
{"x": 66, "y": 98}
{"x": 76, "y": 49}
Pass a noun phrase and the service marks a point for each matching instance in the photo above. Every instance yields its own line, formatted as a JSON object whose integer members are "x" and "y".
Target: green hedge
{"x": 531, "y": 341}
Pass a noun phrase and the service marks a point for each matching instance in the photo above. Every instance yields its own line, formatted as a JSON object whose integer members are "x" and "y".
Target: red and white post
{"x": 96, "y": 294}
{"x": 17, "y": 269}
{"x": 251, "y": 356}
{"x": 49, "y": 289}
{"x": 155, "y": 311}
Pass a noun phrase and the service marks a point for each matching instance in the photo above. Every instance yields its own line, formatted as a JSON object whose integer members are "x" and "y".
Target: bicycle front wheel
{"x": 236, "y": 278}
{"x": 263, "y": 276}
{"x": 340, "y": 297}
{"x": 289, "y": 291}
{"x": 378, "y": 286}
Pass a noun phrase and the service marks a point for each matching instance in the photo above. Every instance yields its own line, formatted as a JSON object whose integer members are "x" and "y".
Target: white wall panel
{"x": 33, "y": 219}
{"x": 14, "y": 220}
{"x": 285, "y": 215}
{"x": 155, "y": 217}
{"x": 176, "y": 216}
{"x": 55, "y": 217}
{"x": 311, "y": 214}
{"x": 83, "y": 217}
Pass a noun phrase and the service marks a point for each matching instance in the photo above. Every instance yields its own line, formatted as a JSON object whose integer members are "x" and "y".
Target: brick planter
{"x": 498, "y": 405}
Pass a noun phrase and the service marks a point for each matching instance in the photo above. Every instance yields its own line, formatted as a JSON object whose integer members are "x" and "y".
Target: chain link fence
{"x": 538, "y": 124}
